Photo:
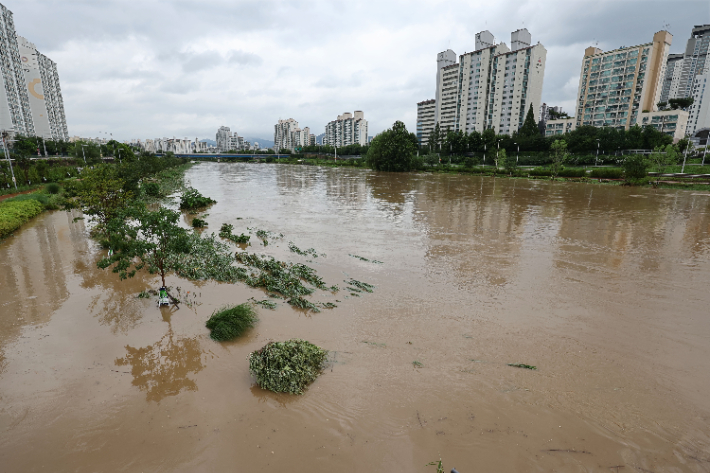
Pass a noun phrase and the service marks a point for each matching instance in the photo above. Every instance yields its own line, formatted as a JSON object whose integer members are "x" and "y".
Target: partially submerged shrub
{"x": 152, "y": 189}
{"x": 540, "y": 172}
{"x": 192, "y": 199}
{"x": 198, "y": 223}
{"x": 287, "y": 367}
{"x": 635, "y": 166}
{"x": 231, "y": 322}
{"x": 226, "y": 232}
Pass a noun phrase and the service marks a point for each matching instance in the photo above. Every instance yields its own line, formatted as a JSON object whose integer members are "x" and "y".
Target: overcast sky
{"x": 148, "y": 68}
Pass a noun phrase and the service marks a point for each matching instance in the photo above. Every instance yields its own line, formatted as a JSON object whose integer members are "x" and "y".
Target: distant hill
{"x": 209, "y": 142}
{"x": 262, "y": 142}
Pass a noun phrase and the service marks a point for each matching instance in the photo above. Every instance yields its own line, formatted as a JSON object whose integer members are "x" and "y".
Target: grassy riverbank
{"x": 160, "y": 178}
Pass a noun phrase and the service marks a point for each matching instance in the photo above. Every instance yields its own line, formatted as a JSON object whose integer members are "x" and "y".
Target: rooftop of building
{"x": 427, "y": 102}
{"x": 623, "y": 48}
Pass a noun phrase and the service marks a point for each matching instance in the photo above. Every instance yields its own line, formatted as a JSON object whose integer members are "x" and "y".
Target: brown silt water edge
{"x": 603, "y": 292}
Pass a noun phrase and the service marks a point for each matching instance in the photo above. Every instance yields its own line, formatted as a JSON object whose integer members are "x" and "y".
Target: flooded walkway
{"x": 604, "y": 289}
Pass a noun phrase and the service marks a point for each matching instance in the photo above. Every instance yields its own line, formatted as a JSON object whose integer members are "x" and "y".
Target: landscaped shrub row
{"x": 15, "y": 213}
{"x": 607, "y": 173}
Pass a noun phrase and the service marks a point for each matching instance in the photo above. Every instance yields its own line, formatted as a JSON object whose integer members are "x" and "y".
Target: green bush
{"x": 540, "y": 172}
{"x": 572, "y": 172}
{"x": 198, "y": 223}
{"x": 287, "y": 367}
{"x": 152, "y": 189}
{"x": 52, "y": 188}
{"x": 231, "y": 322}
{"x": 192, "y": 199}
{"x": 15, "y": 213}
{"x": 606, "y": 173}
{"x": 635, "y": 166}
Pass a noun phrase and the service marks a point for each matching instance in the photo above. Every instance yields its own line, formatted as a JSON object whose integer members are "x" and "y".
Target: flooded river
{"x": 604, "y": 289}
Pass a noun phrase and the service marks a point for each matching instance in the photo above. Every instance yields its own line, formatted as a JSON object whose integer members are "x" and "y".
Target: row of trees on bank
{"x": 585, "y": 139}
{"x": 397, "y": 149}
{"x": 33, "y": 146}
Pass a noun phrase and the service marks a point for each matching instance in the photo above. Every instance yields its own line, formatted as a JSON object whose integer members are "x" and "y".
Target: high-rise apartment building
{"x": 700, "y": 109}
{"x": 15, "y": 112}
{"x": 671, "y": 79}
{"x": 681, "y": 69}
{"x": 288, "y": 135}
{"x": 44, "y": 92}
{"x": 348, "y": 129}
{"x": 492, "y": 87}
{"x": 223, "y": 139}
{"x": 301, "y": 137}
{"x": 695, "y": 59}
{"x": 426, "y": 113}
{"x": 616, "y": 86}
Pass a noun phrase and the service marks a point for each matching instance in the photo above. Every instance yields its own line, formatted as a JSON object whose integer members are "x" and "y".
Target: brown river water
{"x": 603, "y": 288}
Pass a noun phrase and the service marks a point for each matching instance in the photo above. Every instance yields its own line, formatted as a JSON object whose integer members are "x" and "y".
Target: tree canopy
{"x": 393, "y": 149}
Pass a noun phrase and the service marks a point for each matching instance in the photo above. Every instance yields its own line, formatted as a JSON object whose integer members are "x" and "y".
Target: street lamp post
{"x": 705, "y": 152}
{"x": 596, "y": 160}
{"x": 84, "y": 153}
{"x": 685, "y": 155}
{"x": 9, "y": 161}
{"x": 485, "y": 147}
{"x": 517, "y": 156}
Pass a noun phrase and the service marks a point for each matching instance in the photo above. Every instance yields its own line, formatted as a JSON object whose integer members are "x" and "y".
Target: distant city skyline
{"x": 186, "y": 74}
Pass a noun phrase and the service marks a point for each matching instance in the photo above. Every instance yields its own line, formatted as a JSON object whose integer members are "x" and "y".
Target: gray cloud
{"x": 147, "y": 68}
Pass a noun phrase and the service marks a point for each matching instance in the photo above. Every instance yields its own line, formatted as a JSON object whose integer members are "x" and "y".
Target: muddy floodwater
{"x": 606, "y": 290}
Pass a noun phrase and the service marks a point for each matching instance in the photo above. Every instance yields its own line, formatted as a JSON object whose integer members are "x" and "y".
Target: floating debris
{"x": 365, "y": 259}
{"x": 287, "y": 367}
{"x": 297, "y": 250}
{"x": 418, "y": 364}
{"x": 522, "y": 365}
{"x": 265, "y": 303}
{"x": 362, "y": 286}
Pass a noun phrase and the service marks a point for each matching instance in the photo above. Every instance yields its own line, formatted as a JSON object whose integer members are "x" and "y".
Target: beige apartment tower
{"x": 616, "y": 86}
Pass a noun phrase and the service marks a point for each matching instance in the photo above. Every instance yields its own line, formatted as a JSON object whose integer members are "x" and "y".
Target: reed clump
{"x": 231, "y": 322}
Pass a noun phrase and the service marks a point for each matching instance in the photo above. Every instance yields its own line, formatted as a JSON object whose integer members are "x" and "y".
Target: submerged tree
{"x": 558, "y": 153}
{"x": 102, "y": 195}
{"x": 145, "y": 238}
{"x": 393, "y": 149}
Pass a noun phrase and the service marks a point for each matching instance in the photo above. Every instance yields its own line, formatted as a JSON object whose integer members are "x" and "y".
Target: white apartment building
{"x": 671, "y": 79}
{"x": 700, "y": 109}
{"x": 223, "y": 137}
{"x": 301, "y": 137}
{"x": 348, "y": 129}
{"x": 15, "y": 111}
{"x": 426, "y": 113}
{"x": 671, "y": 122}
{"x": 695, "y": 60}
{"x": 682, "y": 69}
{"x": 560, "y": 126}
{"x": 492, "y": 87}
{"x": 284, "y": 134}
{"x": 44, "y": 92}
{"x": 616, "y": 86}
{"x": 228, "y": 141}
